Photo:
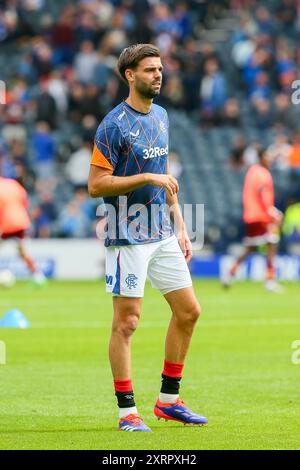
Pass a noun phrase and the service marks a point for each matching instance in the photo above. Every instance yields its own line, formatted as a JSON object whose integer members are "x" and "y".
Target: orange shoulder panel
{"x": 99, "y": 159}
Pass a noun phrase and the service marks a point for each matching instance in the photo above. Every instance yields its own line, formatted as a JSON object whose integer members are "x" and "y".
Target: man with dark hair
{"x": 262, "y": 219}
{"x": 129, "y": 165}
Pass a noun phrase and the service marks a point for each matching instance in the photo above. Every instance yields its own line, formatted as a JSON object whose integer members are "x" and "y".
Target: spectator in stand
{"x": 183, "y": 19}
{"x": 85, "y": 62}
{"x": 285, "y": 65}
{"x": 213, "y": 92}
{"x": 191, "y": 59}
{"x": 73, "y": 222}
{"x": 243, "y": 40}
{"x": 261, "y": 87}
{"x": 78, "y": 166}
{"x": 86, "y": 204}
{"x": 251, "y": 154}
{"x": 232, "y": 115}
{"x": 103, "y": 10}
{"x": 284, "y": 113}
{"x": 46, "y": 109}
{"x": 58, "y": 89}
{"x": 162, "y": 21}
{"x": 279, "y": 152}
{"x": 259, "y": 62}
{"x": 26, "y": 69}
{"x": 7, "y": 166}
{"x": 262, "y": 113}
{"x": 236, "y": 158}
{"x": 287, "y": 15}
{"x": 43, "y": 58}
{"x": 63, "y": 37}
{"x": 91, "y": 104}
{"x": 173, "y": 93}
{"x": 43, "y": 215}
{"x": 175, "y": 165}
{"x": 76, "y": 100}
{"x": 43, "y": 151}
{"x": 18, "y": 153}
{"x": 264, "y": 20}
{"x": 106, "y": 65}
{"x": 86, "y": 26}
{"x": 16, "y": 109}
{"x": 88, "y": 128}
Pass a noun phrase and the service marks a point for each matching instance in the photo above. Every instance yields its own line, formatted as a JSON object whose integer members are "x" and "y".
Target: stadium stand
{"x": 229, "y": 70}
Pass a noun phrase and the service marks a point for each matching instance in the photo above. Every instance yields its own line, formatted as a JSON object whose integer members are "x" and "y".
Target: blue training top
{"x": 130, "y": 142}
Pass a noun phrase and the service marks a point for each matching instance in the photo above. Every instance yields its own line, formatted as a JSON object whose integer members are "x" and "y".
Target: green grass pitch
{"x": 56, "y": 390}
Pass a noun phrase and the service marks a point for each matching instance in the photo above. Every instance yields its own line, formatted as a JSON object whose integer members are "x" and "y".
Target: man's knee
{"x": 126, "y": 324}
{"x": 194, "y": 312}
{"x": 191, "y": 314}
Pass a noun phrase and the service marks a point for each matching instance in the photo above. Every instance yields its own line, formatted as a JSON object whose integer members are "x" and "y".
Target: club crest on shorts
{"x": 131, "y": 281}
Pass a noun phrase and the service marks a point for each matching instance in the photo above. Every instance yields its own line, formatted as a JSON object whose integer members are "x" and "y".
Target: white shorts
{"x": 127, "y": 268}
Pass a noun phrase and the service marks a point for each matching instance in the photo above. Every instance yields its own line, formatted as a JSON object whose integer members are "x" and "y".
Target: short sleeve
{"x": 107, "y": 146}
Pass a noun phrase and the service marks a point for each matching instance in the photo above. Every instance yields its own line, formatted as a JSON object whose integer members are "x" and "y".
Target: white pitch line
{"x": 213, "y": 323}
{"x": 99, "y": 302}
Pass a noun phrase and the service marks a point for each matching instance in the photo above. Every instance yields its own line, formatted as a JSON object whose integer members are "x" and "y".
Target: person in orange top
{"x": 14, "y": 220}
{"x": 262, "y": 219}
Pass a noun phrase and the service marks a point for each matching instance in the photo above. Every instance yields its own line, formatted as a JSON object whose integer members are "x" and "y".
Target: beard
{"x": 145, "y": 90}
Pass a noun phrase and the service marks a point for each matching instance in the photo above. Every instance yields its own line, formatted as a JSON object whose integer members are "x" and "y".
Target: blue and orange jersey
{"x": 129, "y": 142}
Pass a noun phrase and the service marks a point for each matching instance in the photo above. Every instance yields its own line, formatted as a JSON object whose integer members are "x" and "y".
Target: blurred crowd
{"x": 59, "y": 63}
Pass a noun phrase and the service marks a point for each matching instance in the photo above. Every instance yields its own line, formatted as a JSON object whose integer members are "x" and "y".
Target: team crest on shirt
{"x": 131, "y": 281}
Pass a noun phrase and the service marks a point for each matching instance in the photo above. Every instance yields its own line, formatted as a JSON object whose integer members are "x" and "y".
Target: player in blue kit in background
{"x": 129, "y": 169}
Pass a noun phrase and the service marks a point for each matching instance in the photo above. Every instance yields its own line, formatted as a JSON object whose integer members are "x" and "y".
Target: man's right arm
{"x": 102, "y": 183}
{"x": 267, "y": 201}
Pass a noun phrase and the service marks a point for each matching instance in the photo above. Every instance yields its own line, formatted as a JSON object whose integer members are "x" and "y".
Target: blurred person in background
{"x": 43, "y": 147}
{"x": 14, "y": 222}
{"x": 294, "y": 162}
{"x": 43, "y": 215}
{"x": 236, "y": 157}
{"x": 175, "y": 165}
{"x": 46, "y": 108}
{"x": 73, "y": 221}
{"x": 251, "y": 154}
{"x": 231, "y": 114}
{"x": 279, "y": 152}
{"x": 213, "y": 93}
{"x": 63, "y": 36}
{"x": 294, "y": 154}
{"x": 262, "y": 220}
{"x": 284, "y": 113}
{"x": 291, "y": 226}
{"x": 85, "y": 62}
{"x": 78, "y": 165}
{"x": 262, "y": 113}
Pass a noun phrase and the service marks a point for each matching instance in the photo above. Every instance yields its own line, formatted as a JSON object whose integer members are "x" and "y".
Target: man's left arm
{"x": 180, "y": 228}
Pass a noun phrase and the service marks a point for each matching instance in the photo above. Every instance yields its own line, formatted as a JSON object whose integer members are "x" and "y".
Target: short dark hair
{"x": 261, "y": 152}
{"x": 132, "y": 55}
